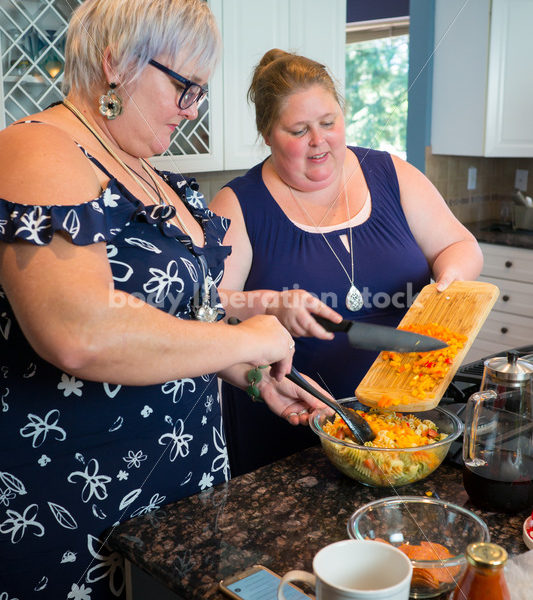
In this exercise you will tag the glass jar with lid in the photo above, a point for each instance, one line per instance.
(484, 577)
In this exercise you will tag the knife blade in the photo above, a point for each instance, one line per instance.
(370, 336)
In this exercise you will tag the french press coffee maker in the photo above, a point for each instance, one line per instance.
(498, 437)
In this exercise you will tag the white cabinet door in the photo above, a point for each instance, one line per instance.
(510, 323)
(460, 76)
(248, 31)
(208, 155)
(515, 297)
(311, 26)
(509, 117)
(482, 78)
(506, 331)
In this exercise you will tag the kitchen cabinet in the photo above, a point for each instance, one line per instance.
(32, 42)
(224, 137)
(482, 84)
(510, 323)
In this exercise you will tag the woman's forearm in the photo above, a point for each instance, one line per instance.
(132, 344)
(66, 304)
(462, 260)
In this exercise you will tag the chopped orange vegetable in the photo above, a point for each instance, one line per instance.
(427, 368)
(429, 551)
(393, 430)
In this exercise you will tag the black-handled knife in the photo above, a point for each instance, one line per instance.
(369, 336)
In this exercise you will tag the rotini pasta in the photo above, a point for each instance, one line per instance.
(409, 435)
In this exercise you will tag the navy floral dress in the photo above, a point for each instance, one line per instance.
(76, 456)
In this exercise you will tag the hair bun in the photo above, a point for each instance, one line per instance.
(271, 56)
(278, 75)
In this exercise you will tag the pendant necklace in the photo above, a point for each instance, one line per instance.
(354, 299)
(204, 312)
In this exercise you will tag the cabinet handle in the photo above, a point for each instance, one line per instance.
(504, 330)
(508, 263)
(505, 298)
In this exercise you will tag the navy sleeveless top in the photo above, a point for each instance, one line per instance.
(389, 266)
(389, 269)
(78, 456)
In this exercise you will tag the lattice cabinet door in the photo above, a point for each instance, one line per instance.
(32, 45)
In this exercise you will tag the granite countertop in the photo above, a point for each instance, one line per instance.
(502, 234)
(278, 516)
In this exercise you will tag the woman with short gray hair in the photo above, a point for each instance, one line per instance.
(111, 336)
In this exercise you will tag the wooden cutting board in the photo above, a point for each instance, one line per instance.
(462, 308)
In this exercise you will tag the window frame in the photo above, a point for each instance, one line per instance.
(361, 31)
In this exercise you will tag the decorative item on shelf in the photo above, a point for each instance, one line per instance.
(53, 66)
(33, 44)
(21, 67)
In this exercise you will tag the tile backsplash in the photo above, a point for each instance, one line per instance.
(491, 199)
(449, 174)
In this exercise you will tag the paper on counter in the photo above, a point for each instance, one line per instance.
(519, 576)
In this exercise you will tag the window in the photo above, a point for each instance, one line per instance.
(377, 61)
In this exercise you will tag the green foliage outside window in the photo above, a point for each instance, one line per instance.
(376, 93)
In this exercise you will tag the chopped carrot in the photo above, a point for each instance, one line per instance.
(392, 429)
(429, 551)
(427, 368)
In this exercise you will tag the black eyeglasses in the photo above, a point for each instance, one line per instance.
(192, 92)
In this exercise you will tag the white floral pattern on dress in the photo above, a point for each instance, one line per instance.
(221, 462)
(95, 485)
(110, 566)
(16, 523)
(155, 501)
(74, 433)
(79, 592)
(206, 481)
(134, 459)
(178, 387)
(163, 281)
(39, 428)
(179, 441)
(110, 199)
(33, 222)
(70, 385)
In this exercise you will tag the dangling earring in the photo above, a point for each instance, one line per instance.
(111, 103)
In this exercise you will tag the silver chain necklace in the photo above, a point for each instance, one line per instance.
(205, 311)
(354, 299)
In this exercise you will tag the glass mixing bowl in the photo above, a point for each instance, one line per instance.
(387, 467)
(426, 525)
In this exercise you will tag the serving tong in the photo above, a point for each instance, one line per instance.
(359, 428)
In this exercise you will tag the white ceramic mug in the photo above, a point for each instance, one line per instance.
(356, 570)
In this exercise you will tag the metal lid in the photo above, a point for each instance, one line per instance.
(509, 368)
(486, 555)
